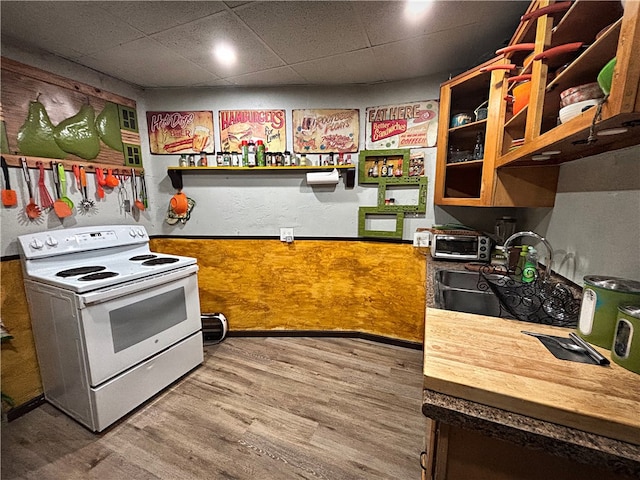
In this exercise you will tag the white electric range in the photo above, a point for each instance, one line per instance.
(113, 322)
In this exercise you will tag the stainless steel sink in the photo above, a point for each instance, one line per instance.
(464, 291)
(458, 279)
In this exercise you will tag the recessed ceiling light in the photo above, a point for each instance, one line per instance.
(551, 152)
(225, 54)
(414, 10)
(612, 131)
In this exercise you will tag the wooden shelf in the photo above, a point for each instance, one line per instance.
(32, 162)
(253, 169)
(175, 173)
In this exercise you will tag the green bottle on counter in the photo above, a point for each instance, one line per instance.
(521, 261)
(529, 270)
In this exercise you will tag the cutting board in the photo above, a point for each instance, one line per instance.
(489, 361)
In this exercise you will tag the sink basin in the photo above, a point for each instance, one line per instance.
(464, 291)
(459, 279)
(470, 301)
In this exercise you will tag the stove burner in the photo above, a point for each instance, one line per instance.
(73, 272)
(160, 261)
(97, 276)
(139, 258)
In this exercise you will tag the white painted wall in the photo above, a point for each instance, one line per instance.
(259, 203)
(594, 227)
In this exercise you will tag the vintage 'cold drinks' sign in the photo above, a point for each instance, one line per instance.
(180, 132)
(405, 125)
(237, 126)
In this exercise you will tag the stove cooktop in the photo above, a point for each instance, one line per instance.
(90, 258)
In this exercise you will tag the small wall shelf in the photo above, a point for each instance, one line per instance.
(175, 173)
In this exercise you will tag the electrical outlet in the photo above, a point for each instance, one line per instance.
(421, 239)
(286, 235)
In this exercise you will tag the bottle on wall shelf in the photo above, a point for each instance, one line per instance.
(183, 161)
(260, 154)
(399, 168)
(252, 154)
(235, 161)
(203, 159)
(245, 153)
(374, 172)
(383, 169)
(529, 271)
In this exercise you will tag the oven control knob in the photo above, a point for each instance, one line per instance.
(36, 244)
(52, 242)
(140, 232)
(132, 233)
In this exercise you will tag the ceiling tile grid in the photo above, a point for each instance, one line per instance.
(157, 44)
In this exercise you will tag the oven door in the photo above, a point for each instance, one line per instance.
(135, 322)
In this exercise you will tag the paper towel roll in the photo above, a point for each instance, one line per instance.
(323, 178)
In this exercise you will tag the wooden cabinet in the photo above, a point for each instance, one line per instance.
(455, 453)
(523, 151)
(463, 178)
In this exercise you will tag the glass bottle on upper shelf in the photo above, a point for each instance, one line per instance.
(478, 149)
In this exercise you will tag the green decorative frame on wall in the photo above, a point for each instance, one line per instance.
(366, 159)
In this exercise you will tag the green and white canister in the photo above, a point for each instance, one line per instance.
(601, 297)
(625, 350)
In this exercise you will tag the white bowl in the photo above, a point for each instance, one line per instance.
(575, 109)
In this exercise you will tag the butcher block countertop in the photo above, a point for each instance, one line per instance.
(488, 362)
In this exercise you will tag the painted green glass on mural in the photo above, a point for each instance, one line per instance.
(108, 126)
(35, 136)
(78, 134)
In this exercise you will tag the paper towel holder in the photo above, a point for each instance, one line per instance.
(323, 178)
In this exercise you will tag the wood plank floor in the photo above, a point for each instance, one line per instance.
(259, 408)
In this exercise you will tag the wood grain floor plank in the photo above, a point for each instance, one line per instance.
(275, 408)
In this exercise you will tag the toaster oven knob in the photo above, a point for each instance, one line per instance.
(140, 232)
(36, 244)
(132, 233)
(52, 242)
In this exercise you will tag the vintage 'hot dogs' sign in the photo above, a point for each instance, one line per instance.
(326, 130)
(253, 125)
(406, 125)
(180, 132)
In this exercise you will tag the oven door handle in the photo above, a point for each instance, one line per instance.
(119, 291)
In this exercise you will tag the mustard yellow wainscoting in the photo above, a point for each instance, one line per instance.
(370, 287)
(20, 373)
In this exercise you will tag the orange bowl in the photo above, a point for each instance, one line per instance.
(179, 203)
(521, 94)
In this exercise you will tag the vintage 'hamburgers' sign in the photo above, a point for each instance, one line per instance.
(253, 125)
(406, 125)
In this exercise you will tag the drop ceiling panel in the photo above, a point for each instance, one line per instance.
(352, 67)
(300, 31)
(150, 18)
(68, 29)
(196, 40)
(144, 62)
(271, 77)
(387, 22)
(169, 43)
